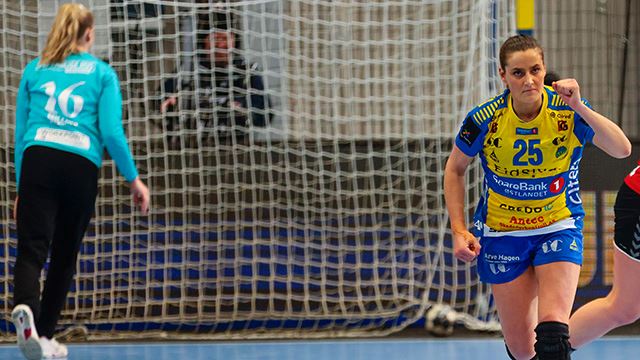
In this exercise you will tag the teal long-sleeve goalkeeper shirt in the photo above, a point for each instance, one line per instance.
(73, 106)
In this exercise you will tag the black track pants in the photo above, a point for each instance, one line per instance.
(56, 201)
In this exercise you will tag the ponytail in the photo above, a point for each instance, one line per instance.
(70, 25)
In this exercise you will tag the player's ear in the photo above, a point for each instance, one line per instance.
(502, 76)
(88, 36)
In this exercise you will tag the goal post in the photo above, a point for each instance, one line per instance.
(327, 221)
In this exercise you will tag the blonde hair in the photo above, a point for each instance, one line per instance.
(70, 25)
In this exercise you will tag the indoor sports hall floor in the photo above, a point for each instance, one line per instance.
(609, 348)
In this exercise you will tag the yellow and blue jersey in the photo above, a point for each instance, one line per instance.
(530, 168)
(73, 106)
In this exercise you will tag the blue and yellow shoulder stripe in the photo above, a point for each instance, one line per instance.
(483, 112)
(556, 103)
(477, 122)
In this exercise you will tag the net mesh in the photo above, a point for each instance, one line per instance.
(327, 221)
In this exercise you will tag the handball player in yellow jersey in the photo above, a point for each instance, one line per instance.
(528, 222)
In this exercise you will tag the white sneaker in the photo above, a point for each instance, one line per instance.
(52, 349)
(27, 335)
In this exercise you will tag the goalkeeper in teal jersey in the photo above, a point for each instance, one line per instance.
(529, 218)
(68, 111)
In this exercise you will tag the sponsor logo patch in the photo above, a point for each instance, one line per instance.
(469, 132)
(563, 125)
(574, 245)
(552, 246)
(561, 153)
(532, 131)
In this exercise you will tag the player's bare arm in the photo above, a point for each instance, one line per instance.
(465, 245)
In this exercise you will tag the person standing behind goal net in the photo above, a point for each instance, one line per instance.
(68, 110)
(529, 218)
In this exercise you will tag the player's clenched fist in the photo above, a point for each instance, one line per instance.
(569, 91)
(465, 246)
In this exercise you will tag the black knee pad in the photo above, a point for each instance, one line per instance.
(552, 341)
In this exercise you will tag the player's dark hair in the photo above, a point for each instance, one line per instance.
(518, 43)
(550, 78)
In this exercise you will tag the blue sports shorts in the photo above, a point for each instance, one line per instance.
(504, 258)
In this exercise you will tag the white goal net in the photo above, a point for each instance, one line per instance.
(297, 191)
